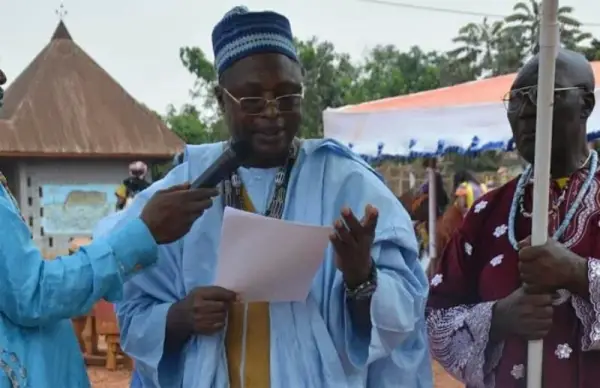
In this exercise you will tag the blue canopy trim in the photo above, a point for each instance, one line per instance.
(442, 149)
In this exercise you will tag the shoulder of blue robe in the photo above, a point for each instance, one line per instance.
(336, 148)
(397, 347)
(147, 298)
(39, 292)
(353, 182)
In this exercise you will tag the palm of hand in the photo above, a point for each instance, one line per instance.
(352, 241)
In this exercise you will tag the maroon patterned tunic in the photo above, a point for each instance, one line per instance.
(479, 266)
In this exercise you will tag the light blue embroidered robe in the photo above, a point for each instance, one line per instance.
(38, 347)
(313, 344)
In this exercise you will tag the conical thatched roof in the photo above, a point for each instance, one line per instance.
(65, 104)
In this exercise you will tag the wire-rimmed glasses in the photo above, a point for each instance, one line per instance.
(514, 99)
(287, 103)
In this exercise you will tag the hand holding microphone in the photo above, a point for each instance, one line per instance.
(170, 213)
(229, 161)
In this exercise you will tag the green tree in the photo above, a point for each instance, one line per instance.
(388, 72)
(478, 46)
(592, 52)
(487, 49)
(510, 50)
(196, 62)
(198, 122)
(329, 78)
(188, 125)
(451, 71)
(525, 21)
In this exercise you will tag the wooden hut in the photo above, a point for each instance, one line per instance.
(69, 132)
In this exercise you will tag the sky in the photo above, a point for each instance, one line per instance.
(138, 41)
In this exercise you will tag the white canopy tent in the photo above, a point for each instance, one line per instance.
(464, 118)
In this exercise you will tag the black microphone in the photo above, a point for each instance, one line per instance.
(230, 160)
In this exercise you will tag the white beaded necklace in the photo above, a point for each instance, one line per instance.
(520, 191)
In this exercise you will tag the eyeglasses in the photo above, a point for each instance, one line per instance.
(287, 103)
(514, 99)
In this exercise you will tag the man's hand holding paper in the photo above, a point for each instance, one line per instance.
(263, 272)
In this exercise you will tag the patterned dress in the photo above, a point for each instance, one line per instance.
(480, 266)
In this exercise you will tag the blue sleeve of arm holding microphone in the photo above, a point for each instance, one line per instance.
(36, 291)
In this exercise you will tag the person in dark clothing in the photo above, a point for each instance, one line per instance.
(133, 185)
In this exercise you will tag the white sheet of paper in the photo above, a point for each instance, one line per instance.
(269, 260)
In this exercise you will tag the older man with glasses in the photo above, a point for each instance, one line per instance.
(363, 322)
(492, 291)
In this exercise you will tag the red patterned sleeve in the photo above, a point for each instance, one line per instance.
(458, 323)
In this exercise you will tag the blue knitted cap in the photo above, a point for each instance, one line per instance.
(242, 33)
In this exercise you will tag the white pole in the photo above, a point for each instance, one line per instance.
(432, 212)
(549, 41)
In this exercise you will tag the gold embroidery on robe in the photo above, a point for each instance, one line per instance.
(258, 338)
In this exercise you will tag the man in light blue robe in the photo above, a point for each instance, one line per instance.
(362, 324)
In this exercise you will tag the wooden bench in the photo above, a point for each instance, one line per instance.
(107, 326)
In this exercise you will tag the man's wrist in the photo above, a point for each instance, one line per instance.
(578, 277)
(363, 287)
(496, 325)
(178, 327)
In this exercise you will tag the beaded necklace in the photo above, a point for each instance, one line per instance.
(555, 205)
(233, 186)
(520, 192)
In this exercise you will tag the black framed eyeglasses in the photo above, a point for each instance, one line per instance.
(514, 99)
(287, 103)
